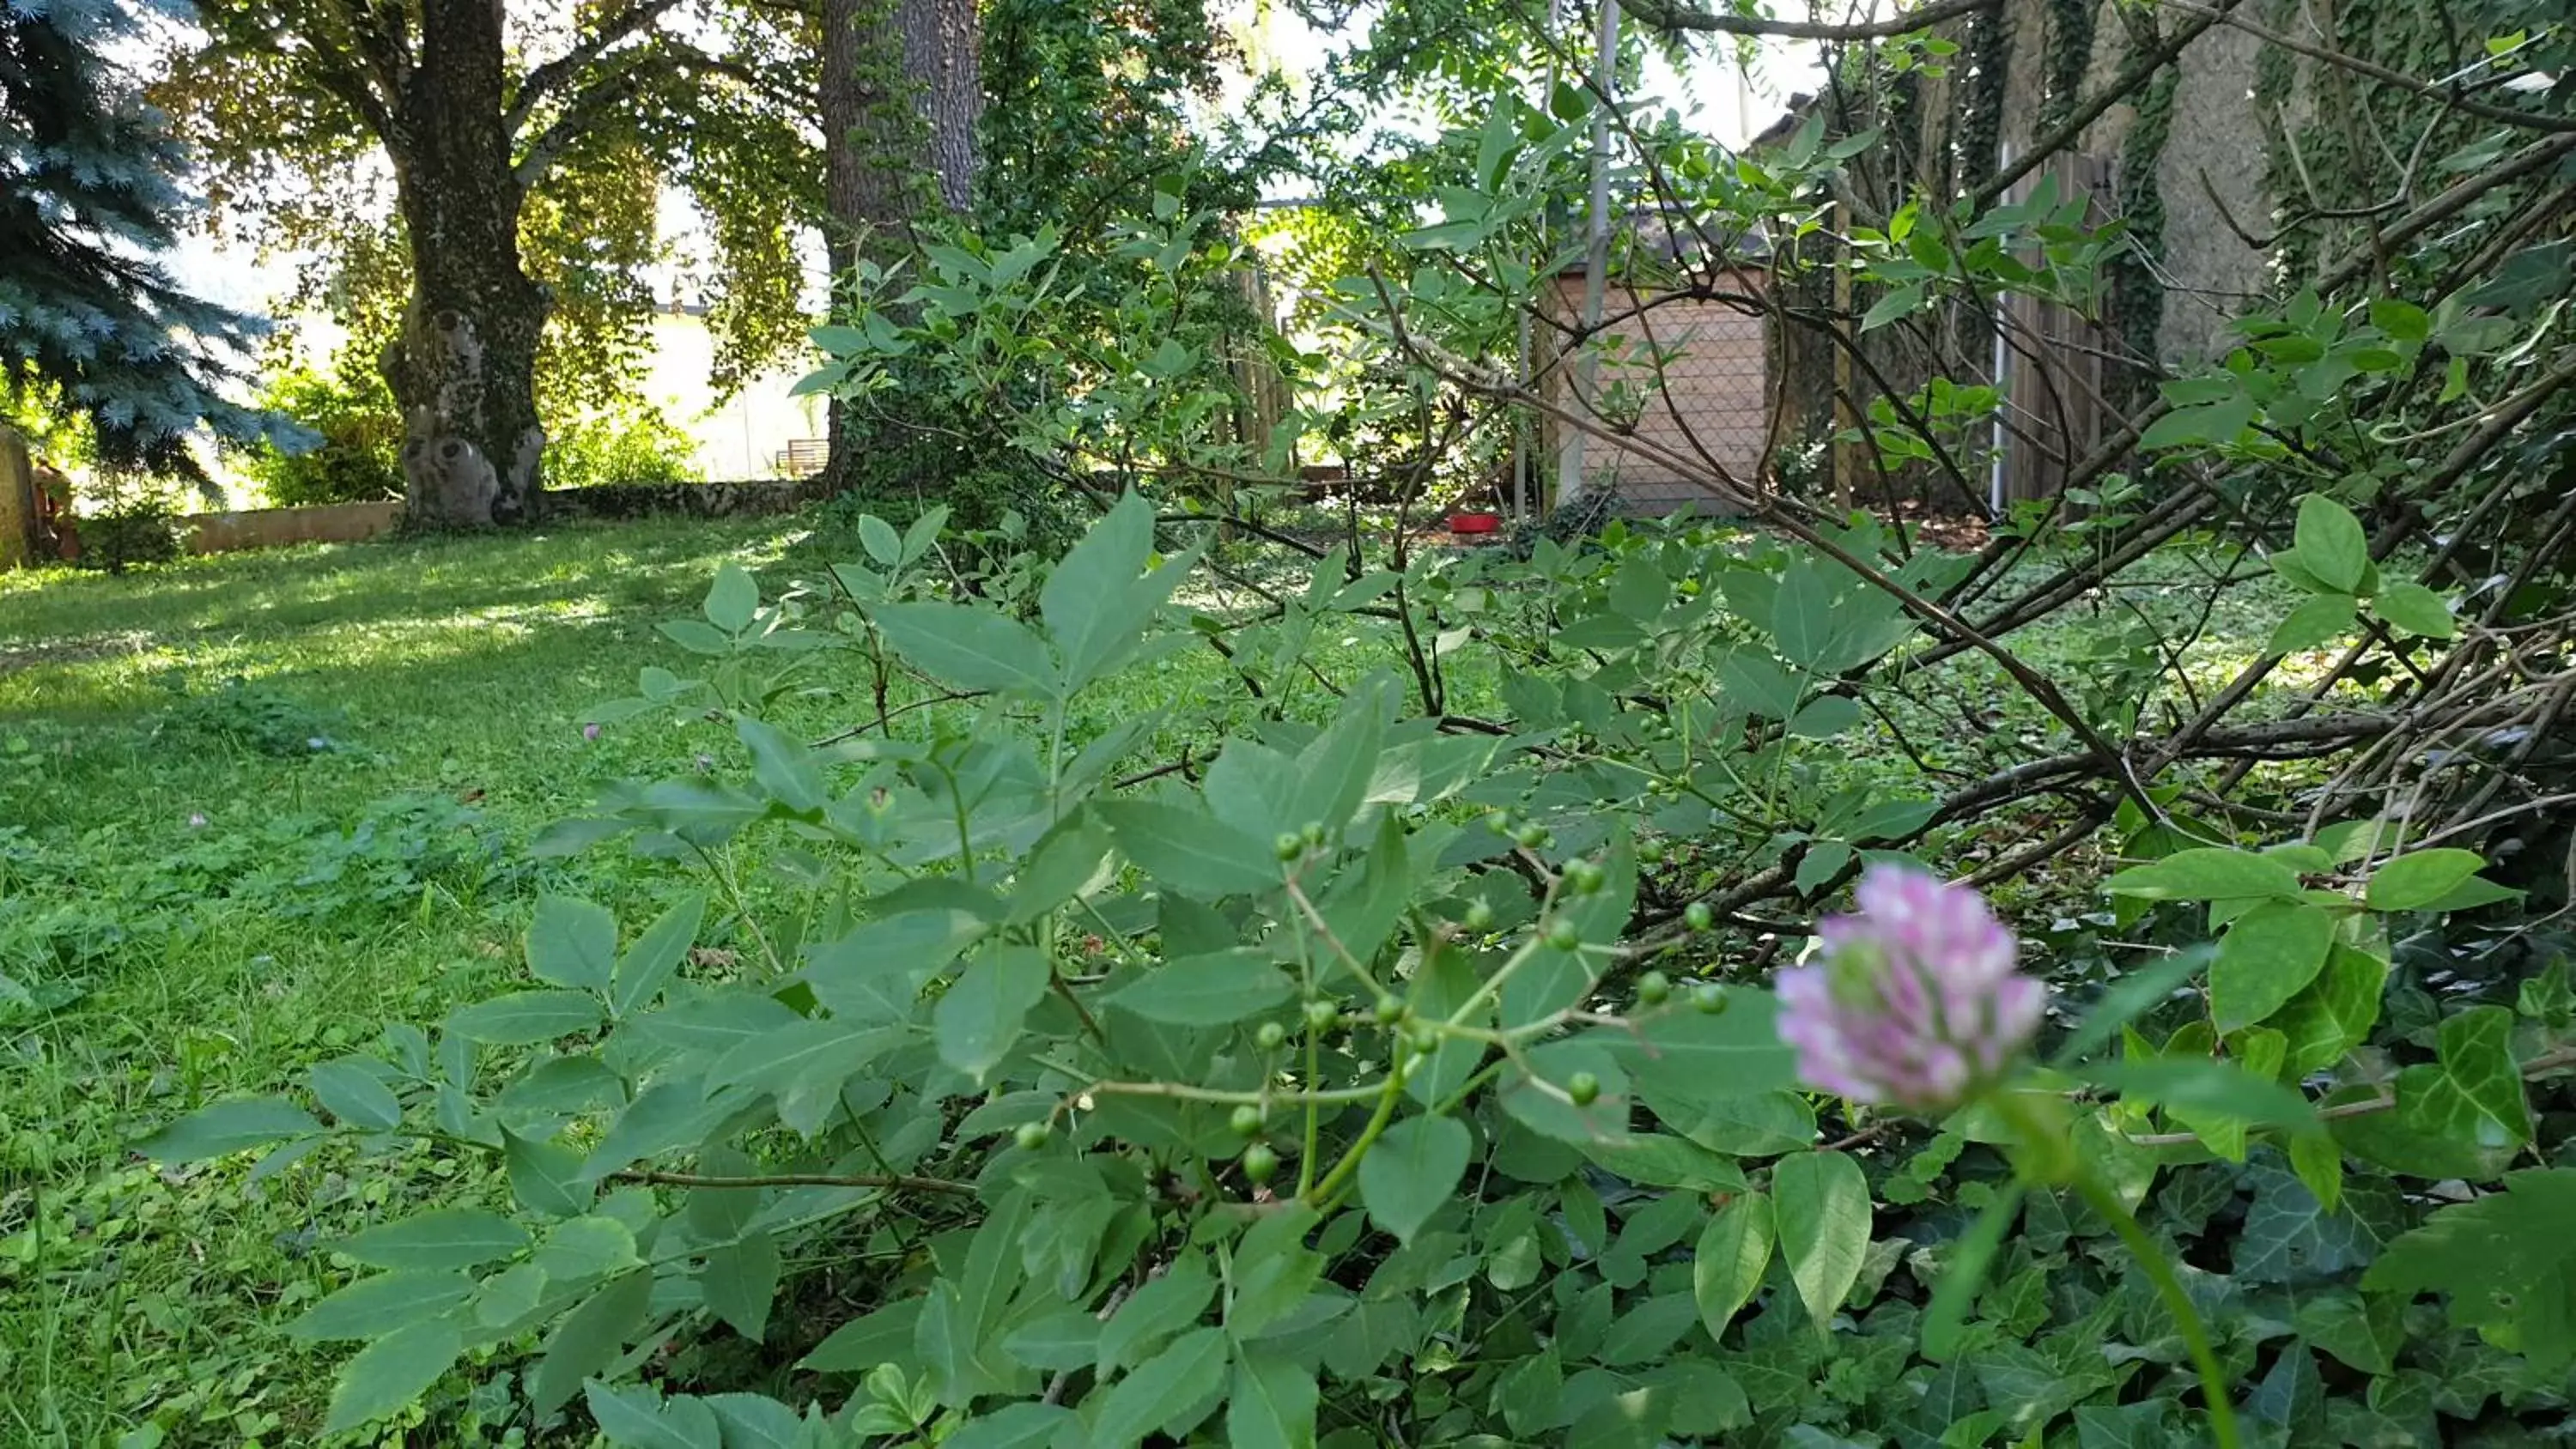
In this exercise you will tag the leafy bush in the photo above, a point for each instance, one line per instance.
(124, 522)
(250, 715)
(632, 446)
(359, 455)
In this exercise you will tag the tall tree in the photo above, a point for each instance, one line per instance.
(449, 97)
(89, 200)
(901, 93)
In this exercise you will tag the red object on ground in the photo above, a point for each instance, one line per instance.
(1465, 521)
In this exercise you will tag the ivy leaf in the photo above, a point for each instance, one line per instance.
(1214, 989)
(1822, 1214)
(2506, 1263)
(1412, 1170)
(572, 943)
(2334, 1013)
(1189, 1373)
(2473, 1094)
(1734, 1251)
(2419, 878)
(392, 1372)
(228, 1127)
(2268, 955)
(2331, 543)
(980, 1016)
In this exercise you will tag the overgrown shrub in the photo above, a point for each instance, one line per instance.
(630, 446)
(125, 522)
(359, 455)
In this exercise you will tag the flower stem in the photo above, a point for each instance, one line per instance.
(2159, 1271)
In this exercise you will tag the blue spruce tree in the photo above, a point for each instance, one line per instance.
(90, 196)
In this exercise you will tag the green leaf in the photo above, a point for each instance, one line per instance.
(1155, 1312)
(1091, 601)
(1734, 1251)
(509, 1295)
(1657, 1159)
(2474, 1094)
(1802, 616)
(2132, 995)
(585, 1247)
(1210, 990)
(2324, 1023)
(589, 1339)
(2415, 609)
(648, 964)
(350, 1090)
(1946, 1316)
(2314, 624)
(970, 648)
(1191, 852)
(375, 1306)
(632, 1419)
(783, 765)
(2268, 955)
(572, 943)
(1822, 1215)
(2506, 1264)
(1699, 1055)
(546, 1177)
(878, 537)
(1028, 1424)
(981, 1014)
(391, 1372)
(1412, 1170)
(228, 1127)
(1189, 1373)
(1762, 1124)
(2204, 1085)
(740, 1282)
(732, 599)
(1272, 1405)
(438, 1239)
(1540, 1099)
(2418, 879)
(2331, 542)
(525, 1018)
(1899, 302)
(2208, 873)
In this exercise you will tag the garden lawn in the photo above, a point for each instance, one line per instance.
(204, 889)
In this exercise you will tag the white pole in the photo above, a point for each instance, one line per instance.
(1522, 426)
(1596, 263)
(2003, 393)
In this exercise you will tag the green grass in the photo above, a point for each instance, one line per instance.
(170, 964)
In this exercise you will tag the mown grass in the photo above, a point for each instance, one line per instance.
(407, 716)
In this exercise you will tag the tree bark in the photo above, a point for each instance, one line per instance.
(463, 368)
(902, 89)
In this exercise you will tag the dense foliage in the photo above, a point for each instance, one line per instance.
(1375, 1040)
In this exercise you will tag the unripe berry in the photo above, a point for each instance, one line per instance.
(1584, 1088)
(1313, 834)
(1562, 935)
(1583, 877)
(1389, 1010)
(1530, 836)
(1423, 1036)
(1031, 1136)
(1480, 916)
(1260, 1163)
(1270, 1037)
(1289, 846)
(1698, 916)
(1321, 1014)
(1246, 1121)
(1654, 988)
(1710, 998)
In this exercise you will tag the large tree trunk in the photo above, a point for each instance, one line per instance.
(463, 367)
(902, 89)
